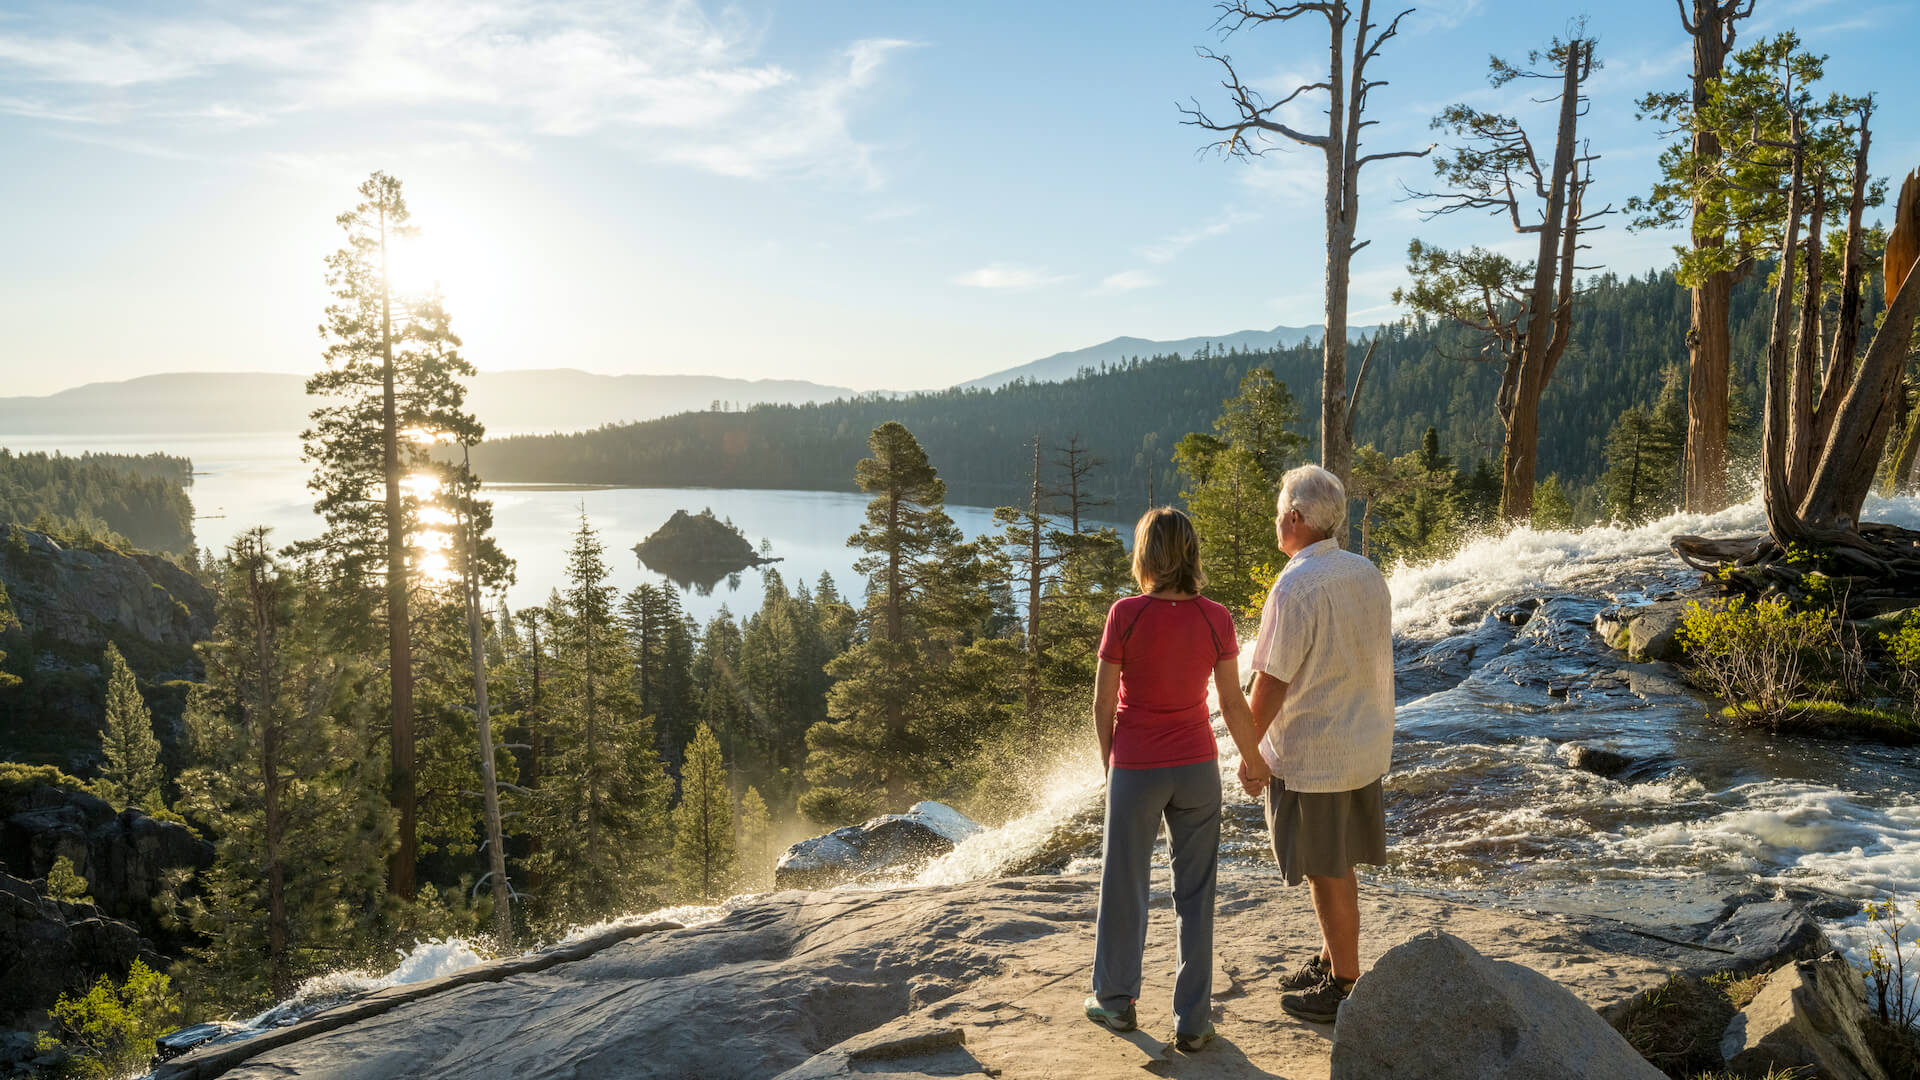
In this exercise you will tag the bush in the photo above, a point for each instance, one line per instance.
(1756, 658)
(1903, 646)
(109, 1030)
(65, 884)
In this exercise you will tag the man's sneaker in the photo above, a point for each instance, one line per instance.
(1116, 1019)
(1187, 1044)
(1320, 1004)
(1311, 974)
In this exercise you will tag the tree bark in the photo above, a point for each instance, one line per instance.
(1710, 342)
(1847, 468)
(1549, 308)
(1801, 446)
(1846, 334)
(1777, 498)
(483, 726)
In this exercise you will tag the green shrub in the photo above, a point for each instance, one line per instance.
(65, 884)
(17, 778)
(109, 1030)
(1903, 646)
(1756, 657)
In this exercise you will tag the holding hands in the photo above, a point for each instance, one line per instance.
(1254, 775)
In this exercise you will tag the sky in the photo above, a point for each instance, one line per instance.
(892, 195)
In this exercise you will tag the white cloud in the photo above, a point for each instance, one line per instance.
(1127, 281)
(1008, 276)
(693, 83)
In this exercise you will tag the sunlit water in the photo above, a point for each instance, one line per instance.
(1481, 803)
(241, 481)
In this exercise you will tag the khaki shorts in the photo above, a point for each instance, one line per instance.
(1326, 833)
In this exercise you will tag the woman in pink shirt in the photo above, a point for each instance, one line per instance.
(1156, 738)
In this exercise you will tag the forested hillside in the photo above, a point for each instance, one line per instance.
(138, 500)
(1627, 332)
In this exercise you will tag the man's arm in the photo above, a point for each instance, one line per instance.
(1269, 694)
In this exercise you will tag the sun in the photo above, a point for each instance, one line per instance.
(450, 253)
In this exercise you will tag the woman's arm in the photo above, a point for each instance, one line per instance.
(1239, 717)
(1106, 701)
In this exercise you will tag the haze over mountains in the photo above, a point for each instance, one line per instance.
(552, 399)
(508, 402)
(1065, 365)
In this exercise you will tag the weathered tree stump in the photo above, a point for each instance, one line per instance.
(1877, 573)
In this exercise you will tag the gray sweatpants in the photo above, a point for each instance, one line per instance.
(1188, 798)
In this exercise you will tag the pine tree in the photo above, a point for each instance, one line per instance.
(753, 866)
(600, 814)
(1552, 509)
(1233, 511)
(281, 747)
(392, 372)
(703, 847)
(1259, 420)
(1626, 487)
(130, 774)
(1032, 550)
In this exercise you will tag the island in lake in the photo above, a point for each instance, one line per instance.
(699, 550)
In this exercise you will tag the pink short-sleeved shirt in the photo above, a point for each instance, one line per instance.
(1166, 651)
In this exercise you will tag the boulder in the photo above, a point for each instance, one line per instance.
(1762, 936)
(1596, 760)
(1435, 1009)
(894, 842)
(49, 947)
(1650, 631)
(1810, 1016)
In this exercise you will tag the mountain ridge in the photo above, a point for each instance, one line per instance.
(1065, 365)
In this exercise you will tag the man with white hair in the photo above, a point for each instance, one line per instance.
(1323, 704)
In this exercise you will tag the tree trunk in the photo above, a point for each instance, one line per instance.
(1035, 570)
(1801, 446)
(1336, 456)
(1710, 342)
(896, 710)
(1847, 468)
(400, 872)
(1549, 308)
(1846, 335)
(483, 725)
(1782, 521)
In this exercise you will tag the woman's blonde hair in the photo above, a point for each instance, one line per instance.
(1166, 552)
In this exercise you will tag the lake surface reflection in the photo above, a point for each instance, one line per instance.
(245, 480)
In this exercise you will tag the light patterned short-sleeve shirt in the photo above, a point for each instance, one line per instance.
(1327, 632)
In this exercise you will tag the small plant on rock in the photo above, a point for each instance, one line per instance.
(65, 884)
(1887, 968)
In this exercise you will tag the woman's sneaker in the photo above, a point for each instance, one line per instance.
(1320, 1004)
(1115, 1019)
(1311, 974)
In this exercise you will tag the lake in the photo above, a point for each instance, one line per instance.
(245, 480)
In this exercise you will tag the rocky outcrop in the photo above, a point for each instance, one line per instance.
(66, 604)
(85, 598)
(978, 979)
(1810, 1019)
(125, 857)
(48, 947)
(890, 842)
(1435, 1009)
(1597, 760)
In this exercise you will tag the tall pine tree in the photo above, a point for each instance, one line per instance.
(391, 383)
(130, 774)
(600, 813)
(703, 822)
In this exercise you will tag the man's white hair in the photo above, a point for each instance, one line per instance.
(1319, 496)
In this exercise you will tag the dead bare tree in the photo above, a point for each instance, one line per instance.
(1524, 310)
(1248, 134)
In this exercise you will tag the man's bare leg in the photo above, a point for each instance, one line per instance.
(1336, 903)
